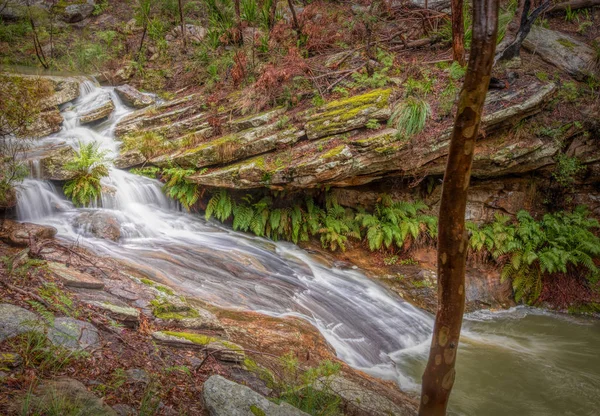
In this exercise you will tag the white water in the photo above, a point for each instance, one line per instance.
(370, 328)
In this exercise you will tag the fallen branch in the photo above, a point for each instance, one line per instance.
(573, 5)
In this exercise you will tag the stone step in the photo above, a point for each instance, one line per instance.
(73, 278)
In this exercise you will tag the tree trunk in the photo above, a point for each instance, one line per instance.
(517, 30)
(39, 52)
(458, 32)
(439, 374)
(238, 23)
(294, 18)
(272, 12)
(182, 26)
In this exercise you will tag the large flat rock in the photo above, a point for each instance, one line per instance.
(226, 398)
(74, 278)
(563, 51)
(134, 98)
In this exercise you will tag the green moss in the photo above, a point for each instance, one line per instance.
(195, 338)
(164, 289)
(176, 316)
(147, 282)
(360, 100)
(566, 43)
(333, 152)
(257, 411)
(232, 346)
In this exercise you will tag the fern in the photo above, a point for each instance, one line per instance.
(89, 166)
(179, 188)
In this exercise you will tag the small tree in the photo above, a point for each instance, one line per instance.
(439, 374)
(458, 32)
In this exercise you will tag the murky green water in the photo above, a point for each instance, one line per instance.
(523, 362)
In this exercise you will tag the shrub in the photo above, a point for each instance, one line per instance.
(89, 166)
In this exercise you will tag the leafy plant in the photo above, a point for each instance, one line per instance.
(179, 188)
(373, 124)
(393, 223)
(566, 170)
(88, 166)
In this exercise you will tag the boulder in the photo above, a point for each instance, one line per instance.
(133, 98)
(348, 114)
(71, 277)
(15, 320)
(19, 233)
(226, 398)
(226, 351)
(74, 13)
(193, 33)
(125, 314)
(73, 334)
(66, 89)
(53, 162)
(100, 224)
(70, 393)
(97, 108)
(17, 9)
(563, 51)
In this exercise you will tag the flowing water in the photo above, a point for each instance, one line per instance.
(519, 362)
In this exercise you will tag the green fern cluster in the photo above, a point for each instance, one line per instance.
(333, 225)
(393, 223)
(530, 250)
(89, 166)
(179, 188)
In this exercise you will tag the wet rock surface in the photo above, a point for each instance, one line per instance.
(99, 224)
(20, 233)
(99, 108)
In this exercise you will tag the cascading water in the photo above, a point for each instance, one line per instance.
(369, 328)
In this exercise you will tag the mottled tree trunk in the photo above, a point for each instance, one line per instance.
(439, 374)
(458, 32)
(295, 24)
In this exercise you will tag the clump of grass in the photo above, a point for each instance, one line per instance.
(410, 117)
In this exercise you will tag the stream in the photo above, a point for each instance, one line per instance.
(516, 362)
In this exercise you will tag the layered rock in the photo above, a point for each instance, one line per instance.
(362, 157)
(53, 164)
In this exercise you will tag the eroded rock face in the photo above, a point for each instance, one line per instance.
(19, 233)
(133, 98)
(226, 398)
(129, 159)
(362, 157)
(566, 53)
